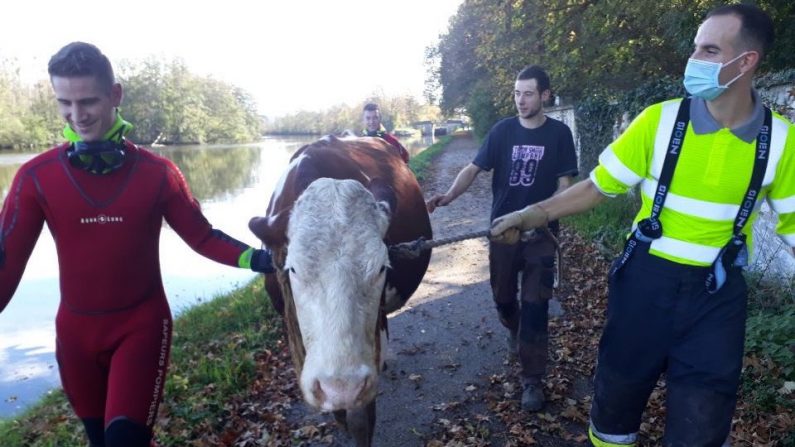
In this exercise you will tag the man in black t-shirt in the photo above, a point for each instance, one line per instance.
(533, 158)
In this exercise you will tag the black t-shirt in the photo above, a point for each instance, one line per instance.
(527, 162)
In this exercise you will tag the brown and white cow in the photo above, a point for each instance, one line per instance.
(331, 218)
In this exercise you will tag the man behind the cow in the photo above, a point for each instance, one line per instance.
(371, 115)
(533, 158)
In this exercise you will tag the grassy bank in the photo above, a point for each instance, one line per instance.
(214, 360)
(422, 161)
(769, 364)
(608, 224)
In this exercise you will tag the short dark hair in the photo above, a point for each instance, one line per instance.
(756, 27)
(371, 107)
(82, 59)
(537, 73)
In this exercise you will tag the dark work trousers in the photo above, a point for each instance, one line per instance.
(529, 268)
(660, 319)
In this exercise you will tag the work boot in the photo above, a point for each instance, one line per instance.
(532, 397)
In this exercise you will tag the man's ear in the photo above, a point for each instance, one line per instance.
(545, 95)
(750, 61)
(116, 94)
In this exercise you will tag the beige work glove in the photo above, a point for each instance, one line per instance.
(507, 229)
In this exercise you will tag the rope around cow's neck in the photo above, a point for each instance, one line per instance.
(413, 249)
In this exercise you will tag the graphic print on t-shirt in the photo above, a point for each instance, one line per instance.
(524, 163)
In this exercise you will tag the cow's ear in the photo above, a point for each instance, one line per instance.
(383, 192)
(271, 230)
(384, 216)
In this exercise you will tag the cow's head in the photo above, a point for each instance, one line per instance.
(336, 267)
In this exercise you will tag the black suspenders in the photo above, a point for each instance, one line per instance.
(650, 228)
(735, 252)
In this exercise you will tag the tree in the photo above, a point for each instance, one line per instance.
(144, 100)
(163, 100)
(396, 111)
(605, 47)
(169, 104)
(28, 116)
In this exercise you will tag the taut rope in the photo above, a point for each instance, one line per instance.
(413, 249)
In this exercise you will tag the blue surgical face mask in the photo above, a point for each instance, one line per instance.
(701, 78)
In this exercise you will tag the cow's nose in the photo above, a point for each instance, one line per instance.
(334, 393)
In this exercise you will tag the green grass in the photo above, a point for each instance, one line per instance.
(770, 332)
(213, 356)
(608, 224)
(212, 361)
(49, 423)
(421, 162)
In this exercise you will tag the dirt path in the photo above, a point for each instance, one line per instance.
(449, 375)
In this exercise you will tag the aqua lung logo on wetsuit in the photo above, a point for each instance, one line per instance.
(161, 372)
(101, 219)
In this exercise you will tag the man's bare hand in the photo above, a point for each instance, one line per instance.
(437, 201)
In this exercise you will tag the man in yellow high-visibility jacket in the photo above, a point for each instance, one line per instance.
(677, 297)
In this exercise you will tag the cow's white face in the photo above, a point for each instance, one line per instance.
(337, 262)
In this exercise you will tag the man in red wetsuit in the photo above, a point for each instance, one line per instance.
(371, 116)
(104, 200)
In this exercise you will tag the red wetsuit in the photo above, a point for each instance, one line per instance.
(113, 326)
(404, 154)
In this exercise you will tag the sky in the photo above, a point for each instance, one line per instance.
(289, 54)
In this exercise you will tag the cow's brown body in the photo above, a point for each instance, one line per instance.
(373, 163)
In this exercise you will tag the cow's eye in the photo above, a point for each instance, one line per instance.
(383, 269)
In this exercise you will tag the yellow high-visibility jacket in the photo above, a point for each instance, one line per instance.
(709, 183)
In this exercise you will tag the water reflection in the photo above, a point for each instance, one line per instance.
(9, 165)
(416, 144)
(214, 173)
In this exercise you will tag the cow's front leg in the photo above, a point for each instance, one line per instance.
(339, 416)
(361, 424)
